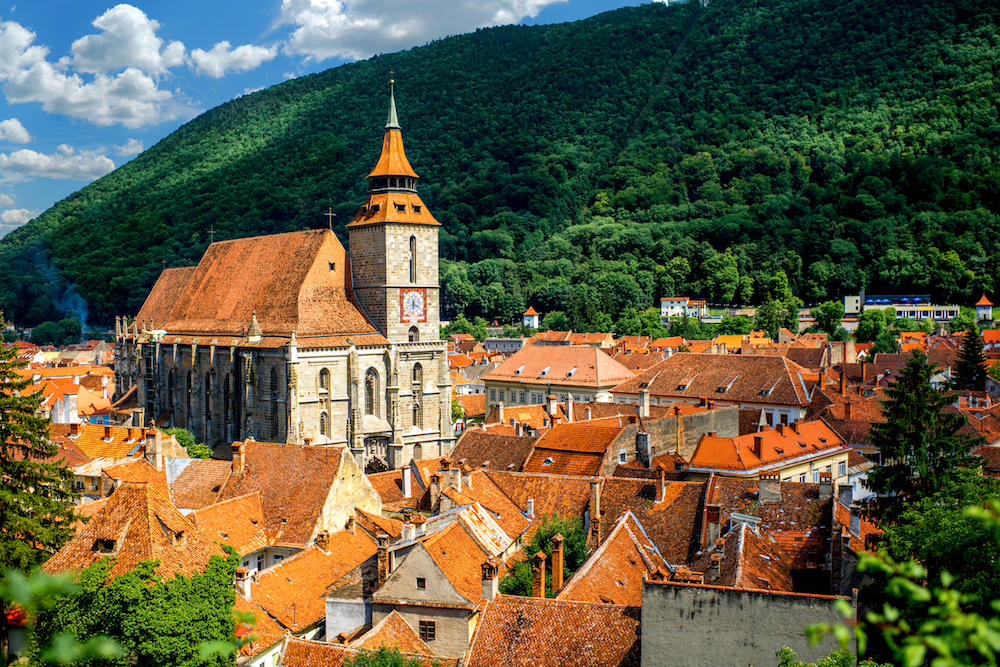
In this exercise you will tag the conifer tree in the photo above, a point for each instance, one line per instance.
(919, 443)
(35, 490)
(970, 370)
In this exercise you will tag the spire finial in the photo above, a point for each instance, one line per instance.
(393, 122)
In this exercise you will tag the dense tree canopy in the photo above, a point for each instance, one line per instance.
(743, 152)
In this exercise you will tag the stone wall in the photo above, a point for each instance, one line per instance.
(711, 625)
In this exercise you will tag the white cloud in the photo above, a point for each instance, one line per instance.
(132, 147)
(6, 200)
(130, 98)
(11, 130)
(128, 39)
(361, 28)
(17, 216)
(250, 91)
(223, 58)
(64, 164)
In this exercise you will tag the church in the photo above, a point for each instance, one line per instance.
(290, 338)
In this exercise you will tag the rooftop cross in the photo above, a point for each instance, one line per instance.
(330, 215)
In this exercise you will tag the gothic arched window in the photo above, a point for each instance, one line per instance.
(273, 425)
(417, 382)
(371, 392)
(413, 259)
(414, 335)
(324, 380)
(324, 424)
(170, 389)
(187, 399)
(208, 407)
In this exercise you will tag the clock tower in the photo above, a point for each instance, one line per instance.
(393, 241)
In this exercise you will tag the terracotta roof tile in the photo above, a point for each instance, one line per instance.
(778, 445)
(163, 297)
(536, 632)
(505, 511)
(267, 633)
(750, 561)
(867, 529)
(551, 494)
(613, 573)
(535, 416)
(91, 441)
(200, 483)
(460, 558)
(389, 486)
(139, 470)
(297, 652)
(286, 279)
(376, 523)
(473, 405)
(588, 366)
(484, 450)
(638, 362)
(294, 591)
(294, 482)
(393, 632)
(578, 448)
(730, 377)
(136, 524)
(238, 522)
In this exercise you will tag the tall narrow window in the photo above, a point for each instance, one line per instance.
(417, 385)
(208, 408)
(413, 259)
(227, 420)
(414, 335)
(371, 392)
(187, 400)
(170, 389)
(273, 426)
(324, 424)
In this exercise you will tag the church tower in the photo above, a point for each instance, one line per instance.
(393, 241)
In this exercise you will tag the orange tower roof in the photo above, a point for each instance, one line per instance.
(984, 302)
(392, 183)
(530, 311)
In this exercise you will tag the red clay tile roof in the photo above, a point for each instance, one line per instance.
(136, 524)
(164, 296)
(267, 632)
(534, 416)
(867, 530)
(552, 494)
(139, 470)
(751, 561)
(460, 558)
(484, 450)
(572, 449)
(778, 445)
(393, 632)
(294, 482)
(613, 573)
(286, 279)
(92, 442)
(638, 362)
(389, 486)
(505, 511)
(297, 652)
(729, 377)
(294, 591)
(376, 524)
(238, 522)
(589, 367)
(473, 405)
(199, 484)
(533, 632)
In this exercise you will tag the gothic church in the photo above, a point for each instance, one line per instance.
(288, 338)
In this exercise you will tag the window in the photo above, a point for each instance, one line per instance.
(427, 631)
(324, 424)
(802, 477)
(208, 408)
(333, 266)
(815, 476)
(324, 381)
(246, 563)
(187, 399)
(621, 456)
(170, 389)
(414, 335)
(841, 469)
(413, 259)
(278, 558)
(401, 208)
(371, 393)
(273, 417)
(416, 208)
(521, 397)
(260, 562)
(784, 418)
(493, 394)
(421, 583)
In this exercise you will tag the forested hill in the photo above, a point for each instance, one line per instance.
(722, 152)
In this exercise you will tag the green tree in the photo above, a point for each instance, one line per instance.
(919, 444)
(518, 579)
(628, 324)
(457, 412)
(555, 321)
(184, 437)
(766, 318)
(970, 369)
(871, 325)
(828, 316)
(839, 658)
(156, 621)
(459, 325)
(965, 321)
(36, 495)
(383, 657)
(739, 324)
(886, 342)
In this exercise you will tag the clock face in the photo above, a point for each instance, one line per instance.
(413, 305)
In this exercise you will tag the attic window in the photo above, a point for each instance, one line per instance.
(401, 208)
(571, 372)
(333, 266)
(416, 209)
(766, 391)
(421, 583)
(104, 546)
(726, 384)
(545, 371)
(779, 450)
(374, 208)
(518, 371)
(548, 461)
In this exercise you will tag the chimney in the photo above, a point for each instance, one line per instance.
(557, 563)
(407, 481)
(154, 448)
(74, 429)
(595, 499)
(758, 445)
(531, 507)
(864, 374)
(323, 540)
(466, 475)
(407, 514)
(713, 519)
(490, 580)
(500, 412)
(769, 488)
(107, 432)
(243, 582)
(352, 525)
(538, 575)
(847, 411)
(780, 428)
(420, 523)
(409, 532)
(519, 429)
(588, 414)
(845, 495)
(435, 490)
(238, 461)
(569, 407)
(552, 405)
(843, 379)
(644, 402)
(825, 485)
(382, 558)
(715, 565)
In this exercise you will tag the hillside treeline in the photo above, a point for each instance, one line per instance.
(728, 152)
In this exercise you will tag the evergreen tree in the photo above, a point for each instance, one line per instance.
(920, 445)
(36, 492)
(970, 371)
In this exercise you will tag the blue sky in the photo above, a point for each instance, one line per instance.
(87, 85)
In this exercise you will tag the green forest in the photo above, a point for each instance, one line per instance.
(730, 152)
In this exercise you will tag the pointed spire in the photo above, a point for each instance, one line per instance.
(393, 122)
(255, 333)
